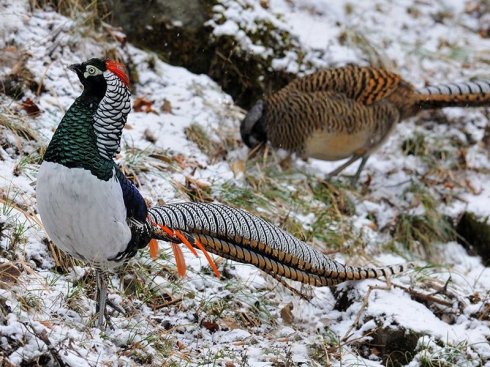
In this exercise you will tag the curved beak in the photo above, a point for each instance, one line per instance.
(77, 68)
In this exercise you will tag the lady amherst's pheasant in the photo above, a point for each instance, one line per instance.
(348, 112)
(93, 212)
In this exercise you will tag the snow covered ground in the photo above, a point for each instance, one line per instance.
(246, 318)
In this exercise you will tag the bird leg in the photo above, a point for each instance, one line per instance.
(339, 169)
(100, 307)
(353, 159)
(355, 178)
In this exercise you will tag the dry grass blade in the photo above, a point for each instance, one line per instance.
(18, 126)
(9, 274)
(9, 203)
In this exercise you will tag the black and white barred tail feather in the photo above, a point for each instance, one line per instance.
(235, 234)
(467, 94)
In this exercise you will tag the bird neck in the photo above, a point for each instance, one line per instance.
(74, 143)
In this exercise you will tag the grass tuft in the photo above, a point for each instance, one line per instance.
(17, 125)
(418, 232)
(290, 197)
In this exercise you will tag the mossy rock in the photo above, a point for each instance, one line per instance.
(178, 33)
(475, 235)
(173, 29)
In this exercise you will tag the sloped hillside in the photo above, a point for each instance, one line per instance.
(181, 143)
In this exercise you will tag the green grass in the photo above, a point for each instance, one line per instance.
(444, 354)
(18, 221)
(284, 196)
(418, 232)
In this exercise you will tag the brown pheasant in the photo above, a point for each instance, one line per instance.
(347, 112)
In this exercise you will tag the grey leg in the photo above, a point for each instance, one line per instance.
(344, 166)
(355, 178)
(100, 307)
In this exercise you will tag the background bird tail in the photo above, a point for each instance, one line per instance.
(466, 94)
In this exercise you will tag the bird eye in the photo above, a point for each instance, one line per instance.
(91, 70)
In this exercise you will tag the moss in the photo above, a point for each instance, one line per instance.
(181, 35)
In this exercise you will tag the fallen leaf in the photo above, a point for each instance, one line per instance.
(287, 314)
(264, 4)
(372, 225)
(166, 106)
(180, 345)
(9, 274)
(238, 167)
(211, 326)
(142, 104)
(30, 107)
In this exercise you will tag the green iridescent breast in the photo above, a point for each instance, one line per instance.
(74, 143)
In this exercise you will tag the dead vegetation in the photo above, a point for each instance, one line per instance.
(317, 211)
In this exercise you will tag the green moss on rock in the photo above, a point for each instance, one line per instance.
(181, 33)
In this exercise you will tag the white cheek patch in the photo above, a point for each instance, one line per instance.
(86, 74)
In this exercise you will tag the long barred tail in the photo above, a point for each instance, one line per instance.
(237, 235)
(469, 94)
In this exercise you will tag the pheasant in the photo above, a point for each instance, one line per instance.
(347, 112)
(93, 212)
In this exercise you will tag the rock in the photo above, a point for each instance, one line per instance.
(179, 33)
(475, 235)
(344, 297)
(395, 345)
(174, 29)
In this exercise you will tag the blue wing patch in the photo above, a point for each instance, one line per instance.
(134, 202)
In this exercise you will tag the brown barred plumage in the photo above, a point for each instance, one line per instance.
(235, 234)
(347, 112)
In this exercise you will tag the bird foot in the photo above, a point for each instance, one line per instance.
(116, 307)
(355, 178)
(103, 315)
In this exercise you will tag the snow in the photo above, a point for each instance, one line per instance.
(423, 41)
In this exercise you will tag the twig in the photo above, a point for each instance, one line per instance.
(419, 296)
(43, 336)
(166, 304)
(363, 307)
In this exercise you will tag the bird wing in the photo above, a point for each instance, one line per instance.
(294, 118)
(366, 85)
(137, 212)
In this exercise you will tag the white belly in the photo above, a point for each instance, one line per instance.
(83, 215)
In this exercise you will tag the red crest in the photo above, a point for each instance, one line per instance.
(117, 69)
